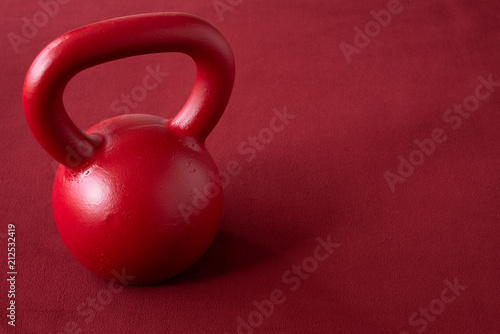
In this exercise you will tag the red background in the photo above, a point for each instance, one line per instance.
(322, 176)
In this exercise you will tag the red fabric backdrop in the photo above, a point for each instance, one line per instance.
(390, 154)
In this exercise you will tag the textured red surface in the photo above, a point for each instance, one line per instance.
(386, 259)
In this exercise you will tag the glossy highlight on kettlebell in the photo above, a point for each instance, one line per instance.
(117, 192)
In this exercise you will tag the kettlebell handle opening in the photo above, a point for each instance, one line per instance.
(119, 38)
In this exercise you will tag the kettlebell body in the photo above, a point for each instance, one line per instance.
(123, 187)
(128, 201)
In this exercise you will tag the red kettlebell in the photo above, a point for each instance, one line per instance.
(121, 186)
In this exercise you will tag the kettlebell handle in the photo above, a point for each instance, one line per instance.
(119, 38)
